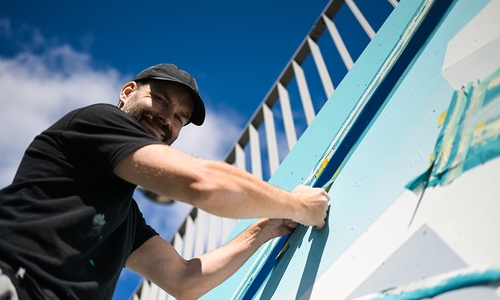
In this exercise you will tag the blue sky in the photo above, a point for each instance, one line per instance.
(59, 55)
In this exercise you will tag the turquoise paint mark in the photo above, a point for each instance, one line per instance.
(440, 284)
(92, 262)
(470, 135)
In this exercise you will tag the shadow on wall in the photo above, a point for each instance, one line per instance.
(318, 239)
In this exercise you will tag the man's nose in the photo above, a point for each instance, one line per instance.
(165, 119)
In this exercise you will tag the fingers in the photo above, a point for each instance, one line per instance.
(325, 194)
(314, 205)
(323, 223)
(320, 226)
(322, 208)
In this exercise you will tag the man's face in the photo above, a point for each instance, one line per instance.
(161, 107)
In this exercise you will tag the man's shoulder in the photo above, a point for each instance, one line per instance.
(99, 114)
(99, 108)
(98, 111)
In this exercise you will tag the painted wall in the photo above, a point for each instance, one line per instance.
(380, 235)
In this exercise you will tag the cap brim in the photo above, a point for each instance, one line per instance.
(198, 116)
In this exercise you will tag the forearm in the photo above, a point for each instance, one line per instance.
(158, 261)
(211, 269)
(216, 187)
(220, 188)
(234, 193)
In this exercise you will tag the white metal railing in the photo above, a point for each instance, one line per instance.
(202, 232)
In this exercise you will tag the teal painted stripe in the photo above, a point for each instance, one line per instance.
(440, 284)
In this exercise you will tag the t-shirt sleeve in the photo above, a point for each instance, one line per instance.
(143, 231)
(105, 135)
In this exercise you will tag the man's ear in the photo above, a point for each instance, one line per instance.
(126, 92)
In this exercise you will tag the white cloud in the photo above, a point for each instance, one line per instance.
(37, 88)
(212, 140)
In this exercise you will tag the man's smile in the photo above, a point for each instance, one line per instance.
(154, 126)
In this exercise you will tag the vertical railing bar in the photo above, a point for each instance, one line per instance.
(305, 96)
(255, 152)
(201, 225)
(394, 3)
(212, 232)
(286, 111)
(153, 292)
(178, 242)
(189, 239)
(240, 157)
(321, 67)
(230, 157)
(272, 143)
(361, 19)
(339, 43)
(161, 295)
(145, 289)
(226, 229)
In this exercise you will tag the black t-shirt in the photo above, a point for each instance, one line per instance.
(66, 218)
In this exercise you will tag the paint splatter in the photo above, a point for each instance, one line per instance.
(470, 135)
(98, 223)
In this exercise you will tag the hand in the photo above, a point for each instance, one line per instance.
(277, 227)
(315, 203)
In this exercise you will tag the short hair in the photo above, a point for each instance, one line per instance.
(142, 82)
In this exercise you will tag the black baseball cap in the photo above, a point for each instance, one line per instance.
(172, 73)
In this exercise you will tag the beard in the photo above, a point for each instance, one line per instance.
(141, 113)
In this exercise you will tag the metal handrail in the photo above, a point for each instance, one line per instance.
(202, 232)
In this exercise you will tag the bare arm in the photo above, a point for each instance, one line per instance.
(158, 261)
(220, 188)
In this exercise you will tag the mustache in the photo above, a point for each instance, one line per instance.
(155, 121)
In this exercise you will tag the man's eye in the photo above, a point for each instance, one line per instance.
(160, 100)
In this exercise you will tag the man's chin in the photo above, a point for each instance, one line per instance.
(169, 142)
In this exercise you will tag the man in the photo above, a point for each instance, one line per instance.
(68, 223)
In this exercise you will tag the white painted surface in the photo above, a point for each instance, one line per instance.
(465, 214)
(474, 53)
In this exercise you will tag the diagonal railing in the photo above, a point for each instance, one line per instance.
(301, 89)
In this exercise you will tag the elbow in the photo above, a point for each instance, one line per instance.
(184, 294)
(206, 193)
(216, 185)
(207, 189)
(192, 285)
(187, 295)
